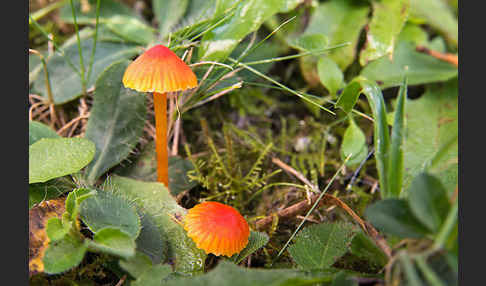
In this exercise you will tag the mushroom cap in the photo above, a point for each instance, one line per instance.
(217, 228)
(159, 70)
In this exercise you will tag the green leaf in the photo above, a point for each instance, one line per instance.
(217, 44)
(228, 273)
(394, 216)
(108, 8)
(330, 75)
(256, 241)
(289, 5)
(143, 166)
(342, 279)
(168, 13)
(381, 134)
(433, 146)
(319, 246)
(437, 15)
(363, 247)
(340, 21)
(55, 230)
(153, 276)
(65, 82)
(136, 265)
(116, 120)
(395, 171)
(39, 130)
(51, 158)
(414, 34)
(422, 68)
(113, 241)
(388, 19)
(131, 29)
(309, 42)
(109, 210)
(354, 142)
(63, 254)
(150, 241)
(428, 201)
(155, 200)
(75, 198)
(349, 96)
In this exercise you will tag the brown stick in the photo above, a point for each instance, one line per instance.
(446, 57)
(292, 171)
(175, 138)
(160, 108)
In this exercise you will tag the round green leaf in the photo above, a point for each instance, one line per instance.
(51, 158)
(106, 209)
(114, 241)
(63, 254)
(330, 74)
(354, 142)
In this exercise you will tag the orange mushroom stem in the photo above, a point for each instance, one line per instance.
(160, 109)
(159, 70)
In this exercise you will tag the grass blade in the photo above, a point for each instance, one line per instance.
(381, 134)
(281, 85)
(395, 173)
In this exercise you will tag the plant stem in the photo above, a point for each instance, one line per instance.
(95, 40)
(160, 108)
(81, 63)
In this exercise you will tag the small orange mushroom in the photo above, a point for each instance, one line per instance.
(159, 70)
(217, 228)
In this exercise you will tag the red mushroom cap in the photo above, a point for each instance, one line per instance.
(217, 228)
(159, 70)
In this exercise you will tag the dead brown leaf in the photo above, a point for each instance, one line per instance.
(38, 239)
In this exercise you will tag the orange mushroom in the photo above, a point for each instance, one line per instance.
(159, 70)
(217, 228)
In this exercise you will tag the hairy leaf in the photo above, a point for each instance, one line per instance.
(256, 241)
(116, 120)
(106, 209)
(155, 200)
(150, 240)
(319, 246)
